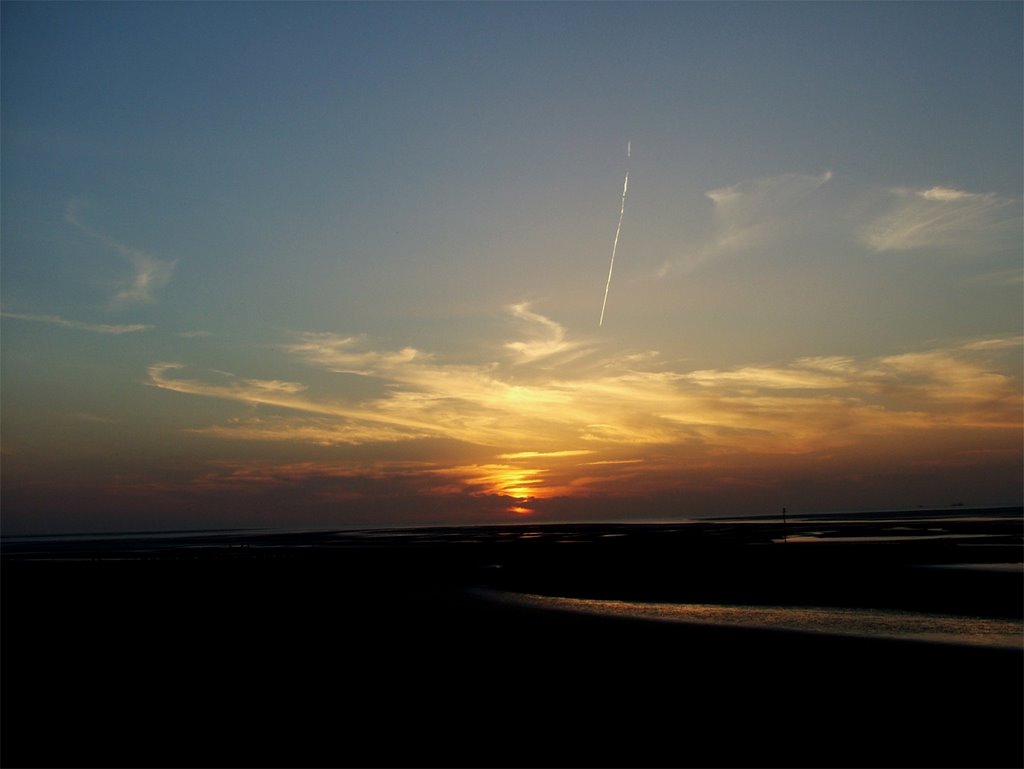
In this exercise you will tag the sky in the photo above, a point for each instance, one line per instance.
(343, 264)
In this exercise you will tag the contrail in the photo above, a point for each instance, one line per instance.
(615, 244)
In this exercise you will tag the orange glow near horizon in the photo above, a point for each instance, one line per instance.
(552, 420)
(501, 480)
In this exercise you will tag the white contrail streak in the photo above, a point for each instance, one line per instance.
(615, 244)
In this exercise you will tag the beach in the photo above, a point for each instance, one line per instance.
(389, 648)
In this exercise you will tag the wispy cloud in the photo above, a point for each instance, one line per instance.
(547, 340)
(519, 483)
(546, 454)
(149, 274)
(255, 392)
(1012, 277)
(275, 386)
(260, 476)
(342, 354)
(752, 203)
(752, 213)
(85, 416)
(943, 218)
(959, 385)
(762, 213)
(538, 424)
(96, 328)
(304, 429)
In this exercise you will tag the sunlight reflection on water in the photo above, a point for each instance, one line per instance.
(939, 628)
(816, 536)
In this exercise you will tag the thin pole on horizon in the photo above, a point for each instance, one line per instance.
(785, 533)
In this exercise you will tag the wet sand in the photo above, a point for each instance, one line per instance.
(371, 649)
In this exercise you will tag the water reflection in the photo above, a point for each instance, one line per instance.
(815, 536)
(939, 628)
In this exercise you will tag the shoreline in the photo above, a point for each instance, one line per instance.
(343, 650)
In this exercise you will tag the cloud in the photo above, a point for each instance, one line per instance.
(943, 218)
(95, 418)
(503, 480)
(324, 479)
(256, 392)
(752, 213)
(341, 355)
(762, 213)
(96, 328)
(275, 386)
(1012, 277)
(149, 274)
(751, 203)
(546, 454)
(549, 424)
(959, 385)
(306, 430)
(548, 338)
(797, 377)
(998, 343)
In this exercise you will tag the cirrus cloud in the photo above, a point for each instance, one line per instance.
(754, 213)
(943, 218)
(149, 273)
(96, 328)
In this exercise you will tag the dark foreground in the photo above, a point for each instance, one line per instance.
(368, 650)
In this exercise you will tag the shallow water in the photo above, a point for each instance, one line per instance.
(825, 537)
(936, 628)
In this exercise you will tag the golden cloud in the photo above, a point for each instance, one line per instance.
(530, 414)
